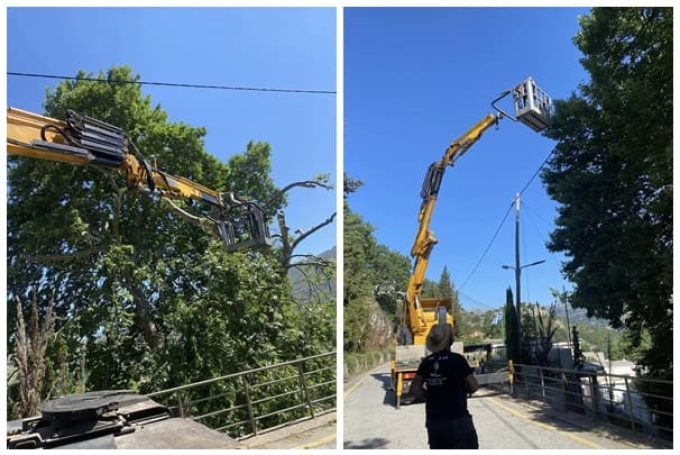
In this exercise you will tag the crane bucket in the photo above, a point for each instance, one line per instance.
(533, 106)
(244, 226)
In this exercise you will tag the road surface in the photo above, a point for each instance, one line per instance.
(372, 422)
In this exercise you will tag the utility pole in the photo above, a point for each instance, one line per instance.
(518, 273)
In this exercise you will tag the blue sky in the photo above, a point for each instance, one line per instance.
(418, 78)
(260, 47)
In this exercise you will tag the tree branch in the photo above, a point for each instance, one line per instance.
(315, 261)
(311, 231)
(59, 258)
(198, 221)
(300, 184)
(118, 203)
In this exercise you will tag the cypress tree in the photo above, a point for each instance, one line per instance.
(511, 335)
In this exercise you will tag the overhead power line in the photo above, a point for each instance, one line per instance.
(487, 247)
(475, 301)
(174, 84)
(533, 213)
(537, 171)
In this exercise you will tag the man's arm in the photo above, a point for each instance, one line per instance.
(417, 387)
(470, 383)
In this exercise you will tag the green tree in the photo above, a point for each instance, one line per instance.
(448, 291)
(359, 245)
(391, 271)
(430, 289)
(511, 333)
(350, 185)
(611, 173)
(579, 358)
(143, 299)
(490, 327)
(373, 273)
(546, 332)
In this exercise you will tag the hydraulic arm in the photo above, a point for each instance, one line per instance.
(532, 107)
(85, 141)
(425, 239)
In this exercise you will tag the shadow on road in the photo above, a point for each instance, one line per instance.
(372, 443)
(572, 422)
(386, 381)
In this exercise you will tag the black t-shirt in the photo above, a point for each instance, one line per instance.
(444, 373)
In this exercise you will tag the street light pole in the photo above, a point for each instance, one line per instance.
(518, 274)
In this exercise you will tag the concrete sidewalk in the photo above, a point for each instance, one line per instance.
(317, 433)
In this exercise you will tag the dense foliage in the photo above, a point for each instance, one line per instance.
(611, 173)
(372, 274)
(143, 299)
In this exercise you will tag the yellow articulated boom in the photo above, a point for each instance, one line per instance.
(85, 141)
(532, 107)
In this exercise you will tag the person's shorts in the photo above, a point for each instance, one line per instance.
(457, 433)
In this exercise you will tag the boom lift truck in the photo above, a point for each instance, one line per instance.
(532, 107)
(121, 419)
(85, 141)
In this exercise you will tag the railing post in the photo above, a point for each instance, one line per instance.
(540, 370)
(180, 405)
(630, 405)
(511, 377)
(249, 405)
(593, 395)
(303, 386)
(564, 382)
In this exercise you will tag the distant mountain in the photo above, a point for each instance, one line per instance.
(308, 282)
(579, 317)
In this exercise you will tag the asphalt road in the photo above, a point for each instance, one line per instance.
(372, 422)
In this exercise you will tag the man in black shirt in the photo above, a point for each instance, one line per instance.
(445, 379)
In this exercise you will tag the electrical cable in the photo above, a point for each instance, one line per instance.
(537, 171)
(474, 269)
(551, 254)
(173, 84)
(473, 300)
(539, 216)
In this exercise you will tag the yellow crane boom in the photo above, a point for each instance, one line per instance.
(425, 239)
(532, 106)
(85, 141)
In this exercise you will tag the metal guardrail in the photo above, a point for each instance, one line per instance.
(250, 402)
(622, 400)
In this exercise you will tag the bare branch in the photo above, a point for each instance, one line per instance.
(311, 260)
(304, 184)
(197, 220)
(311, 231)
(59, 258)
(298, 184)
